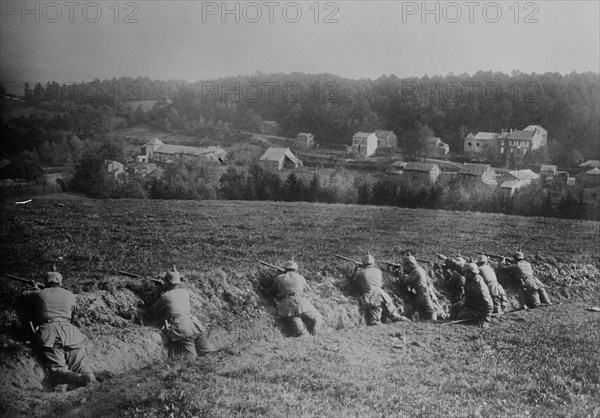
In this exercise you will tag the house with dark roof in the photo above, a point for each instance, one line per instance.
(276, 159)
(590, 163)
(477, 173)
(364, 144)
(589, 179)
(158, 151)
(304, 141)
(480, 141)
(386, 139)
(421, 174)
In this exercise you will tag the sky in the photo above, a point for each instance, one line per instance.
(75, 41)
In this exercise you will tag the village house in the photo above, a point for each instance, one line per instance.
(364, 144)
(276, 159)
(590, 163)
(114, 169)
(507, 142)
(421, 174)
(304, 141)
(589, 179)
(386, 139)
(477, 173)
(435, 148)
(156, 150)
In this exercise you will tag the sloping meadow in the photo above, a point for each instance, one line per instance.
(217, 245)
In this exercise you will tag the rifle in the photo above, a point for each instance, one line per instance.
(32, 283)
(279, 269)
(491, 255)
(137, 276)
(348, 259)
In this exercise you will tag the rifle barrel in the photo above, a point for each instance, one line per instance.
(19, 279)
(347, 259)
(272, 266)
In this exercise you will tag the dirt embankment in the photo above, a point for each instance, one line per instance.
(236, 309)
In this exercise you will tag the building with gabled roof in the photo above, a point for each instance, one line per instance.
(364, 144)
(386, 139)
(590, 163)
(480, 141)
(276, 159)
(304, 141)
(589, 179)
(420, 174)
(508, 142)
(477, 172)
(158, 151)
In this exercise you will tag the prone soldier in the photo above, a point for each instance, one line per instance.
(521, 271)
(374, 300)
(184, 334)
(293, 307)
(60, 341)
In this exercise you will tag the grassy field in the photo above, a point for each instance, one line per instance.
(539, 363)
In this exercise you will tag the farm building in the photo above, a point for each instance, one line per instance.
(525, 176)
(590, 163)
(540, 136)
(421, 174)
(114, 168)
(589, 179)
(304, 141)
(158, 151)
(276, 159)
(386, 139)
(480, 141)
(397, 168)
(478, 172)
(436, 148)
(269, 127)
(364, 144)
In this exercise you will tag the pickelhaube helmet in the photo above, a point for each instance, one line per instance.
(291, 265)
(54, 277)
(472, 267)
(411, 260)
(173, 276)
(368, 260)
(482, 258)
(519, 255)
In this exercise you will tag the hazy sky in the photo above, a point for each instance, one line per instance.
(72, 41)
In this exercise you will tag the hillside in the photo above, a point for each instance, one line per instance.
(543, 362)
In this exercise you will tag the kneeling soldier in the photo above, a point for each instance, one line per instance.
(534, 290)
(295, 309)
(477, 304)
(61, 342)
(374, 299)
(415, 278)
(496, 290)
(184, 334)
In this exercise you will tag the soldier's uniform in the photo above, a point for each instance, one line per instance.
(184, 335)
(533, 289)
(455, 282)
(293, 307)
(477, 304)
(374, 299)
(60, 341)
(418, 283)
(496, 290)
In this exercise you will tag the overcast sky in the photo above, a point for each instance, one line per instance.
(193, 40)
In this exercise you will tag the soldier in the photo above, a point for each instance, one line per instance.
(477, 304)
(374, 299)
(183, 332)
(416, 279)
(293, 308)
(496, 290)
(521, 271)
(454, 279)
(59, 340)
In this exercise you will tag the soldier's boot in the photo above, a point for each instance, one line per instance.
(544, 298)
(72, 378)
(297, 327)
(203, 346)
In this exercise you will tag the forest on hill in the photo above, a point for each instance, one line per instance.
(331, 107)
